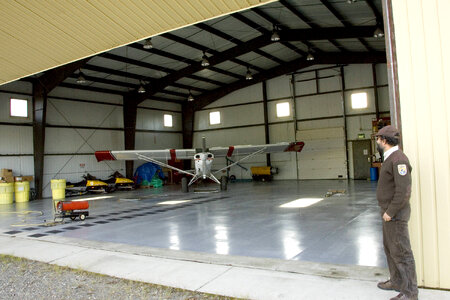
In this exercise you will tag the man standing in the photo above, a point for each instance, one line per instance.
(393, 193)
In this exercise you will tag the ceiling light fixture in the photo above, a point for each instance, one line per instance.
(148, 44)
(205, 61)
(275, 36)
(351, 1)
(190, 97)
(378, 33)
(249, 75)
(81, 79)
(141, 89)
(310, 56)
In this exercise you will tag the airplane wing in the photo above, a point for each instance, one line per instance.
(138, 154)
(261, 149)
(150, 156)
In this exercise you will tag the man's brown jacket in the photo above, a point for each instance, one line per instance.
(394, 186)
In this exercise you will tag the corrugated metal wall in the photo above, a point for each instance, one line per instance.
(78, 124)
(318, 107)
(423, 48)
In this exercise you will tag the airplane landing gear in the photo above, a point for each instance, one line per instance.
(223, 183)
(184, 185)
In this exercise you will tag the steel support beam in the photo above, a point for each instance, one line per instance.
(39, 117)
(254, 44)
(129, 125)
(41, 87)
(266, 121)
(394, 89)
(188, 130)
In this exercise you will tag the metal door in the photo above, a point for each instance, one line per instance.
(361, 163)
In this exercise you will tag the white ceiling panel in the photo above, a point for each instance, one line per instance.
(319, 14)
(197, 83)
(235, 28)
(206, 73)
(258, 60)
(352, 45)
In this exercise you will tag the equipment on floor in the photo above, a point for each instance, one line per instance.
(203, 158)
(120, 182)
(263, 173)
(72, 209)
(335, 192)
(89, 184)
(149, 175)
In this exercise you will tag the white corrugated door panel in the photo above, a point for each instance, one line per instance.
(422, 45)
(323, 156)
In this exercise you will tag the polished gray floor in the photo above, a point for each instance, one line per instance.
(246, 220)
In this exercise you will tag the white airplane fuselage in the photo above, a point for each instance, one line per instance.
(203, 162)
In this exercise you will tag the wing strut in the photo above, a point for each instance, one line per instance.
(143, 157)
(244, 158)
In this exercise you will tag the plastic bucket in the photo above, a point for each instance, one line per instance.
(58, 189)
(373, 174)
(22, 191)
(6, 193)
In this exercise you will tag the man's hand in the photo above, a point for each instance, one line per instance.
(386, 217)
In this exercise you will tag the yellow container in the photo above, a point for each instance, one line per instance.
(22, 190)
(6, 193)
(58, 189)
(260, 170)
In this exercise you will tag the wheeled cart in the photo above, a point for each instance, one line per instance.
(72, 209)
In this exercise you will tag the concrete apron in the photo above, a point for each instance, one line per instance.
(234, 276)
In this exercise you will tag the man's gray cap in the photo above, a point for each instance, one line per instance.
(388, 131)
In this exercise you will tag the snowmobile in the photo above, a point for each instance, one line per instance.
(120, 182)
(89, 184)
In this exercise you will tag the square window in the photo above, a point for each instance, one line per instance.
(19, 108)
(214, 117)
(283, 109)
(359, 100)
(168, 121)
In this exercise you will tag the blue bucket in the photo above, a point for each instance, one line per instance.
(373, 174)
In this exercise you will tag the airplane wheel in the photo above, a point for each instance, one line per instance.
(82, 217)
(223, 183)
(73, 218)
(184, 185)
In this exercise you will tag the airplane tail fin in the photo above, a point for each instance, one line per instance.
(203, 144)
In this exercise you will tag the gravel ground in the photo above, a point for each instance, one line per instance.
(27, 279)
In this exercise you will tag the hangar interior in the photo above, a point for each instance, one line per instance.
(68, 123)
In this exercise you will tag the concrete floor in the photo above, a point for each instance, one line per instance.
(246, 220)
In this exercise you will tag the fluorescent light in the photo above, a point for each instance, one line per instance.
(302, 202)
(148, 44)
(173, 202)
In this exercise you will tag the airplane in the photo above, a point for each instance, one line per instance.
(203, 158)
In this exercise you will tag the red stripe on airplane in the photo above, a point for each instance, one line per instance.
(104, 155)
(294, 147)
(173, 154)
(230, 151)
